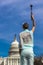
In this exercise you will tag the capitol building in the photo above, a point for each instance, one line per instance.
(14, 57)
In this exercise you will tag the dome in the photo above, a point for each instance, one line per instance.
(14, 48)
(14, 43)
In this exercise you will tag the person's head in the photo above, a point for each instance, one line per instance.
(25, 26)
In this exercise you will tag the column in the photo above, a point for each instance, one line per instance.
(4, 61)
(14, 61)
(17, 62)
(8, 61)
(11, 61)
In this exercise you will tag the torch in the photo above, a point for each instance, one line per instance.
(31, 10)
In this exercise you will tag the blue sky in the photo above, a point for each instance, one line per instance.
(13, 13)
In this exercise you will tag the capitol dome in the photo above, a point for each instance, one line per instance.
(14, 48)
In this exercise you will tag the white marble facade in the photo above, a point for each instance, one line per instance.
(14, 57)
(11, 61)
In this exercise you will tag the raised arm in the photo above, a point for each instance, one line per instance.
(33, 22)
(32, 18)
